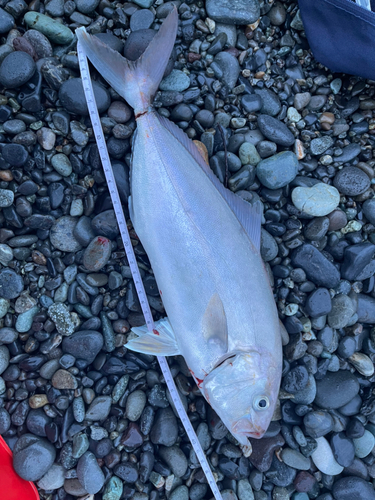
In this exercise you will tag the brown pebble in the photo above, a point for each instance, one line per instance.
(304, 482)
(23, 45)
(62, 379)
(202, 150)
(337, 220)
(120, 340)
(327, 118)
(6, 175)
(193, 57)
(38, 258)
(38, 400)
(299, 150)
(367, 169)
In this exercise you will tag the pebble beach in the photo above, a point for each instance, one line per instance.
(85, 417)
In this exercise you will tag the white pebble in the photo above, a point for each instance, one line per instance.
(324, 460)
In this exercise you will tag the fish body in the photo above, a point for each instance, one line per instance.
(203, 244)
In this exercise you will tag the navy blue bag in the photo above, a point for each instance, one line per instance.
(341, 35)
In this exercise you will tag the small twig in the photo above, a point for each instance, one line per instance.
(226, 155)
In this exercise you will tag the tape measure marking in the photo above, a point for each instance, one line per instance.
(113, 191)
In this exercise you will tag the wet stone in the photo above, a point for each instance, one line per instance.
(127, 472)
(135, 404)
(353, 487)
(366, 309)
(275, 130)
(32, 457)
(60, 315)
(318, 423)
(62, 165)
(277, 171)
(233, 11)
(164, 430)
(16, 69)
(343, 449)
(97, 254)
(62, 379)
(84, 345)
(356, 258)
(4, 358)
(364, 444)
(296, 379)
(336, 389)
(226, 68)
(6, 21)
(15, 154)
(251, 103)
(105, 224)
(174, 457)
(89, 473)
(6, 198)
(318, 303)
(176, 81)
(11, 284)
(316, 266)
(52, 29)
(342, 310)
(351, 181)
(99, 408)
(320, 145)
(61, 234)
(72, 97)
(317, 200)
(270, 101)
(263, 451)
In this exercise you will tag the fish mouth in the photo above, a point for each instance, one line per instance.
(246, 428)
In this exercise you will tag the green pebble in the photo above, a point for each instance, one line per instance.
(80, 445)
(79, 409)
(176, 80)
(244, 490)
(61, 164)
(84, 311)
(120, 388)
(248, 154)
(4, 306)
(113, 489)
(51, 28)
(25, 320)
(108, 333)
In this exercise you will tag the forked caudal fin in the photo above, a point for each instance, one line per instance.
(136, 81)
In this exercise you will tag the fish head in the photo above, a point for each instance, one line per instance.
(243, 391)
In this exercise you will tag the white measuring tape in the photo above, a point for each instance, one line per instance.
(113, 191)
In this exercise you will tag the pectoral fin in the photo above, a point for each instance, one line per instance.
(214, 324)
(160, 342)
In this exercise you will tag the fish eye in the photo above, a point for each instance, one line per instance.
(261, 403)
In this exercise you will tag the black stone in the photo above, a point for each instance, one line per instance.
(336, 389)
(316, 266)
(343, 449)
(72, 97)
(356, 258)
(16, 69)
(318, 303)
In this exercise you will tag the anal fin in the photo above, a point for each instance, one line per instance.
(160, 342)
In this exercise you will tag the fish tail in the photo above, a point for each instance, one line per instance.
(136, 81)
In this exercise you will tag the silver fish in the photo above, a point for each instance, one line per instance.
(203, 243)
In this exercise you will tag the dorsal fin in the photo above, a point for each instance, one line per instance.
(249, 215)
